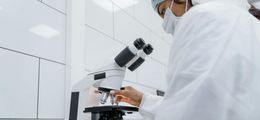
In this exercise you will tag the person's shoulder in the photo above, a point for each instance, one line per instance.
(211, 11)
(203, 16)
(207, 9)
(200, 13)
(217, 8)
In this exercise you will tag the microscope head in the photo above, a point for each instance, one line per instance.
(112, 75)
(106, 79)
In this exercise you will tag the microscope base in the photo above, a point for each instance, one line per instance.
(113, 112)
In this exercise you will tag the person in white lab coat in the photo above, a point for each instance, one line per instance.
(214, 66)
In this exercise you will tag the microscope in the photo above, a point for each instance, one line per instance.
(90, 94)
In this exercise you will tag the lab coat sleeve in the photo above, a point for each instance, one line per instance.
(149, 105)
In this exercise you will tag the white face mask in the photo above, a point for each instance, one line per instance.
(170, 20)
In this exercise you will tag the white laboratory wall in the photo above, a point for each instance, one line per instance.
(32, 58)
(18, 94)
(59, 5)
(51, 90)
(32, 27)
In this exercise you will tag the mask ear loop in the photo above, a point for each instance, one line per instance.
(186, 7)
(171, 4)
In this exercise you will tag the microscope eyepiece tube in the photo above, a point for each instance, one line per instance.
(124, 57)
(129, 53)
(148, 49)
(139, 43)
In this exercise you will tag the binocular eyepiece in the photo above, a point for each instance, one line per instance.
(139, 43)
(133, 56)
(148, 49)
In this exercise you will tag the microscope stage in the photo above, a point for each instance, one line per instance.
(111, 108)
(112, 112)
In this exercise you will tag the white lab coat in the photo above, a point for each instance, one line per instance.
(214, 67)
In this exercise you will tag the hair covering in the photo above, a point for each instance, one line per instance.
(155, 3)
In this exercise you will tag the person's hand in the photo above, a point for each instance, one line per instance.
(129, 95)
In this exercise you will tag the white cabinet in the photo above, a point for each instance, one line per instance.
(125, 5)
(31, 27)
(57, 4)
(99, 49)
(127, 29)
(18, 85)
(99, 15)
(161, 49)
(145, 13)
(153, 74)
(51, 90)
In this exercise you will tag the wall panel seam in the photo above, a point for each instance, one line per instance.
(38, 88)
(32, 55)
(53, 8)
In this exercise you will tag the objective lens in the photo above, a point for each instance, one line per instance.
(103, 98)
